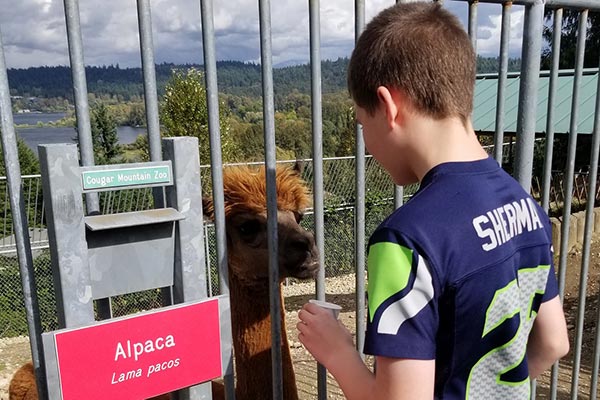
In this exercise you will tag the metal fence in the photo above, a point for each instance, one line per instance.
(339, 198)
(339, 195)
(24, 219)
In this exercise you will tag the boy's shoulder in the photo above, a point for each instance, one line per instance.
(463, 210)
(452, 189)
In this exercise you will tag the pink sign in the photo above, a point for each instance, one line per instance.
(141, 356)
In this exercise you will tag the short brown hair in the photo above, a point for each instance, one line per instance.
(420, 49)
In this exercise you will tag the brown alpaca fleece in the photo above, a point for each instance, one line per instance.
(251, 324)
(245, 196)
(23, 387)
(245, 190)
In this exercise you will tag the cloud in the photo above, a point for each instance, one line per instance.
(488, 34)
(34, 31)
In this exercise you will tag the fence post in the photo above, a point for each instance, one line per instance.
(20, 227)
(530, 69)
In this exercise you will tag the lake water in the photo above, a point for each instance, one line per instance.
(47, 135)
(34, 118)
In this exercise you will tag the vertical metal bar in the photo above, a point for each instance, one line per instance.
(570, 167)
(43, 213)
(82, 111)
(399, 190)
(107, 200)
(37, 193)
(216, 161)
(473, 23)
(317, 136)
(589, 224)
(208, 266)
(210, 66)
(19, 219)
(317, 149)
(398, 196)
(4, 232)
(28, 199)
(532, 48)
(130, 206)
(189, 279)
(148, 68)
(151, 103)
(359, 207)
(593, 171)
(556, 37)
(581, 37)
(264, 8)
(502, 72)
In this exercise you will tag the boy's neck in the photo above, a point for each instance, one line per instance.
(434, 142)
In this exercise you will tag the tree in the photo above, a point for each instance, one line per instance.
(136, 115)
(28, 161)
(104, 135)
(184, 113)
(136, 152)
(293, 134)
(568, 44)
(29, 165)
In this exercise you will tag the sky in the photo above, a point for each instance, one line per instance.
(34, 31)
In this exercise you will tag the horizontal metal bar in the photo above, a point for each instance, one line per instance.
(544, 73)
(592, 5)
(133, 218)
(517, 2)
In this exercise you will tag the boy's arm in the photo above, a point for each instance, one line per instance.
(548, 339)
(404, 379)
(331, 344)
(398, 379)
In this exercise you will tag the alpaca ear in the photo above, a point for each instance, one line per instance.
(299, 167)
(207, 208)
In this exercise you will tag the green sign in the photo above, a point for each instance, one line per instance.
(111, 178)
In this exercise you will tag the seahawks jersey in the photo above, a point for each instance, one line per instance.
(457, 274)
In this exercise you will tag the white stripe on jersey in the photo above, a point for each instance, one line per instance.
(407, 307)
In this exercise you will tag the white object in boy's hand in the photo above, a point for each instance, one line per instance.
(335, 309)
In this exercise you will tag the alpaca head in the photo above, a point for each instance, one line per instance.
(245, 195)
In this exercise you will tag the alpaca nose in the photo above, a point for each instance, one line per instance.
(301, 244)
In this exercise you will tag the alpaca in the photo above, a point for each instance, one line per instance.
(23, 387)
(248, 264)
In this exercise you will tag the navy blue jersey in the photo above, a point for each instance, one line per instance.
(457, 274)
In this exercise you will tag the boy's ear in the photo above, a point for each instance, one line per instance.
(388, 100)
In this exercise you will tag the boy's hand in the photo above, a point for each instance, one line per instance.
(323, 336)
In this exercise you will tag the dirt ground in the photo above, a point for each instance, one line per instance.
(340, 290)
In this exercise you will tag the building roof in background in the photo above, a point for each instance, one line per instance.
(486, 89)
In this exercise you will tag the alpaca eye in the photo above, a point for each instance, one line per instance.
(249, 228)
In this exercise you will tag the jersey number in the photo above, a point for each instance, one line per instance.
(485, 378)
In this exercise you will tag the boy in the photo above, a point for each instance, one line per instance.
(462, 296)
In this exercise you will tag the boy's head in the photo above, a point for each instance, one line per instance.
(421, 50)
